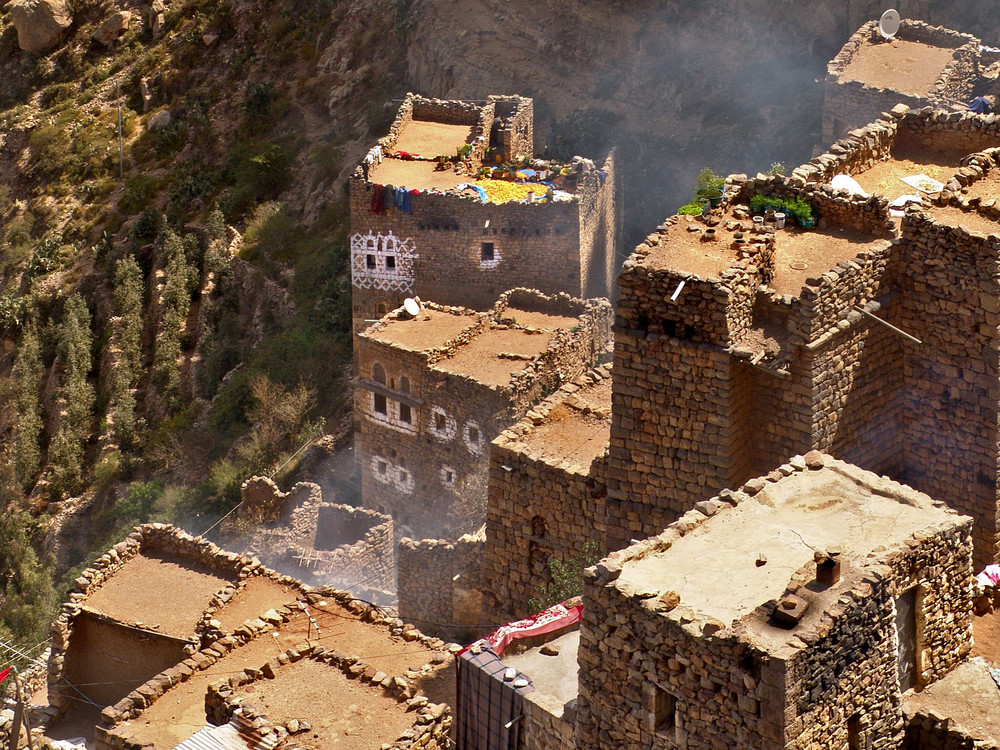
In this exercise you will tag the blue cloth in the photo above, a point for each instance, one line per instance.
(980, 105)
(403, 200)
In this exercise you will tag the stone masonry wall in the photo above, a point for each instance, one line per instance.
(950, 283)
(545, 726)
(528, 494)
(602, 222)
(355, 547)
(441, 586)
(800, 694)
(851, 104)
(676, 431)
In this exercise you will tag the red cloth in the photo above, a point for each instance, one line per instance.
(377, 207)
(4, 674)
(548, 620)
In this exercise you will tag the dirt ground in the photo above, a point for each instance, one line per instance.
(683, 250)
(800, 254)
(174, 605)
(986, 637)
(480, 359)
(256, 597)
(884, 178)
(571, 434)
(970, 220)
(180, 712)
(424, 138)
(987, 189)
(901, 65)
(967, 696)
(431, 328)
(415, 175)
(530, 319)
(344, 714)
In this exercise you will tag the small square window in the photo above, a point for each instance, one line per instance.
(380, 404)
(449, 476)
(664, 711)
(473, 435)
(383, 467)
(486, 251)
(390, 262)
(370, 262)
(405, 414)
(439, 422)
(404, 476)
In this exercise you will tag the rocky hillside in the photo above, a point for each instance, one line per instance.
(174, 299)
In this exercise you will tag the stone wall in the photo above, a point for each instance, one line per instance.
(538, 508)
(431, 724)
(545, 725)
(851, 104)
(440, 586)
(949, 293)
(263, 501)
(729, 690)
(355, 548)
(932, 732)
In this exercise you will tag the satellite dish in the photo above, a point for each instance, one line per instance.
(888, 24)
(411, 306)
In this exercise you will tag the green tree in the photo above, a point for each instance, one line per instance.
(28, 596)
(74, 400)
(28, 375)
(175, 303)
(566, 578)
(127, 327)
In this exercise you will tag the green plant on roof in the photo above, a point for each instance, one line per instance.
(776, 168)
(709, 184)
(464, 150)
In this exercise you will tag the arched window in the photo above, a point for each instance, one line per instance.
(378, 373)
(404, 384)
(380, 309)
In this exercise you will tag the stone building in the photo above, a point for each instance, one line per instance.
(546, 494)
(448, 229)
(792, 613)
(731, 353)
(922, 66)
(433, 390)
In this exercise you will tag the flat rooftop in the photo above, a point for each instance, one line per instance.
(901, 65)
(798, 253)
(885, 177)
(345, 714)
(430, 329)
(432, 139)
(577, 430)
(552, 674)
(713, 567)
(180, 712)
(492, 357)
(165, 593)
(971, 221)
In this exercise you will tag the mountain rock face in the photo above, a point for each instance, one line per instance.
(40, 23)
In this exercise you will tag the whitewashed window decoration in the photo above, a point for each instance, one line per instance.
(473, 437)
(382, 261)
(381, 469)
(489, 255)
(441, 426)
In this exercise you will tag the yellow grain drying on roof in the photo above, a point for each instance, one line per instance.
(501, 191)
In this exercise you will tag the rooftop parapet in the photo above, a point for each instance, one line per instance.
(479, 151)
(522, 339)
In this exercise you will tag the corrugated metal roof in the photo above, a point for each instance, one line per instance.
(231, 736)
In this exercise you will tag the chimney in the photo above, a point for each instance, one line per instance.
(827, 566)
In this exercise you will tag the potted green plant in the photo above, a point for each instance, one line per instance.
(803, 212)
(709, 187)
